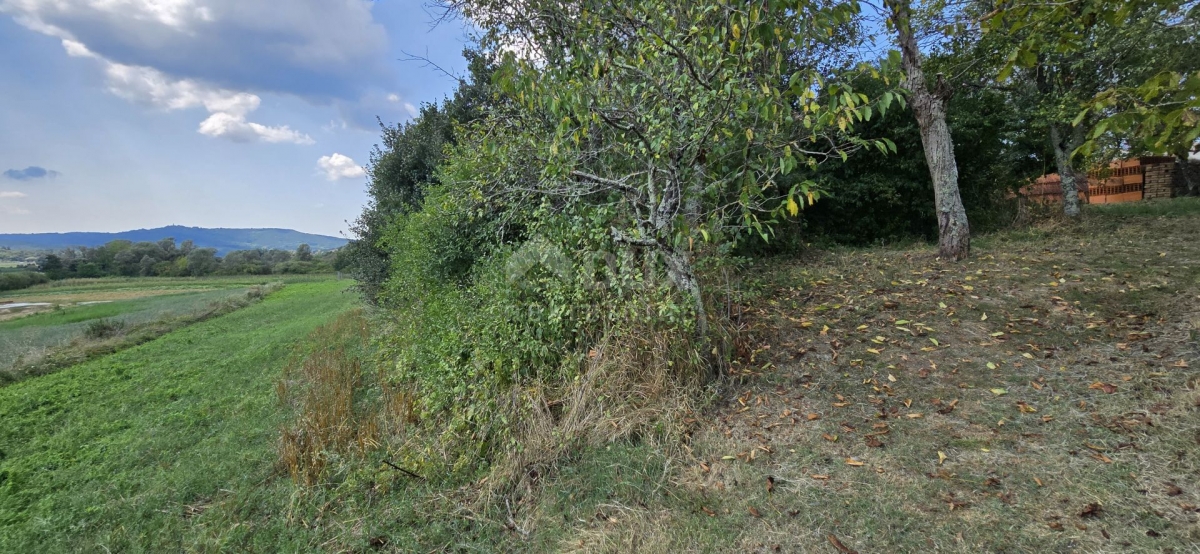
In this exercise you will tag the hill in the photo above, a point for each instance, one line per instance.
(224, 240)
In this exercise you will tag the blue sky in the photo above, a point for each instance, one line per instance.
(124, 114)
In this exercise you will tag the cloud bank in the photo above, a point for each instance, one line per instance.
(220, 55)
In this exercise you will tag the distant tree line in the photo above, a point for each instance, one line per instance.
(123, 258)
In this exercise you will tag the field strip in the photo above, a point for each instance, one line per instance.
(105, 455)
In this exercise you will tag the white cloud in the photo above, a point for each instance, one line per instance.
(237, 129)
(339, 166)
(12, 194)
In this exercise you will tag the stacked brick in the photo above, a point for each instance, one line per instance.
(1159, 177)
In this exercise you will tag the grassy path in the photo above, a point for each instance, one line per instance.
(126, 452)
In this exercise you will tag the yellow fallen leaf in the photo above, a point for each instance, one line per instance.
(934, 341)
(941, 457)
(824, 330)
(983, 318)
(819, 476)
(991, 365)
(872, 350)
(861, 327)
(942, 305)
(853, 462)
(999, 392)
(891, 378)
(1028, 355)
(916, 416)
(728, 457)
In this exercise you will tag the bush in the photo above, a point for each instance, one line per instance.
(487, 333)
(21, 280)
(101, 329)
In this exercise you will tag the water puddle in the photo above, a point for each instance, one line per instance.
(24, 305)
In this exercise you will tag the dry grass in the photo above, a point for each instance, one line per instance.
(323, 387)
(1042, 396)
(641, 385)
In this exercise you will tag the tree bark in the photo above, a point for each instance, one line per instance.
(1183, 166)
(929, 106)
(1063, 147)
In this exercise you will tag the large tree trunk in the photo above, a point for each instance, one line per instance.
(954, 233)
(1064, 145)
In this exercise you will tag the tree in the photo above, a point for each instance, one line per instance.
(304, 253)
(928, 102)
(680, 116)
(1102, 66)
(52, 266)
(404, 165)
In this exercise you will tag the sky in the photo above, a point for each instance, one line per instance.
(128, 114)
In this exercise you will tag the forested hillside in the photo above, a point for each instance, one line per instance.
(222, 240)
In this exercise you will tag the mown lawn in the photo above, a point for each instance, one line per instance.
(126, 452)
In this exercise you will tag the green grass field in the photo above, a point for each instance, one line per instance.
(123, 453)
(36, 333)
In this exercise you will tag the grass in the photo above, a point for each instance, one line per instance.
(47, 340)
(1041, 396)
(160, 447)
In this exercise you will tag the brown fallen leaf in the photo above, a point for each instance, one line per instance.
(1173, 490)
(819, 477)
(770, 484)
(828, 437)
(1055, 525)
(708, 511)
(853, 462)
(873, 442)
(1102, 458)
(1108, 388)
(754, 511)
(1091, 510)
(839, 546)
(814, 416)
(949, 407)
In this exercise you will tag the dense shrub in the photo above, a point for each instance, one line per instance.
(14, 280)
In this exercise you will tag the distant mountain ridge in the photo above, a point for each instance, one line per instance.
(224, 240)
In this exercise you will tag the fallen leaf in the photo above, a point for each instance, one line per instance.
(873, 351)
(1025, 408)
(983, 318)
(839, 546)
(1038, 481)
(1055, 525)
(708, 511)
(916, 416)
(873, 442)
(1102, 458)
(819, 477)
(812, 417)
(770, 484)
(999, 392)
(853, 462)
(934, 341)
(828, 437)
(949, 407)
(991, 365)
(891, 378)
(1180, 363)
(1108, 388)
(754, 511)
(941, 457)
(1091, 510)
